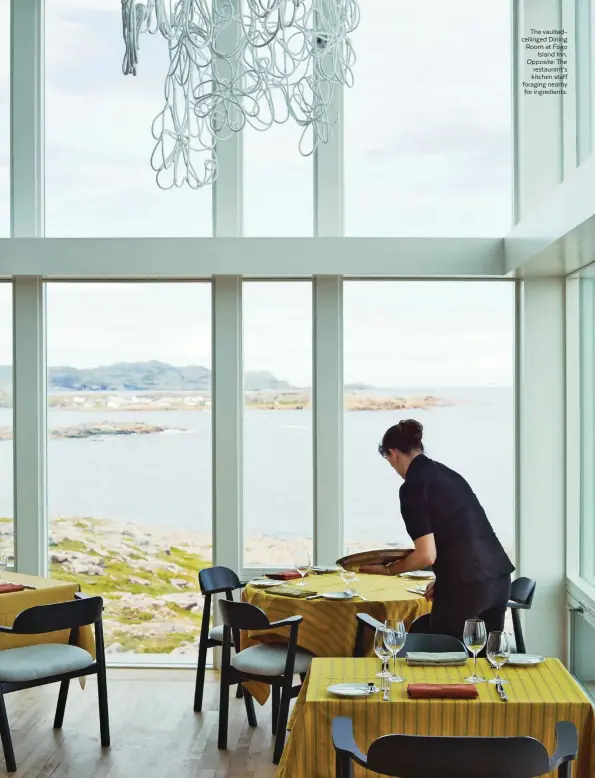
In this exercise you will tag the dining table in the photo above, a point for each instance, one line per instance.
(38, 591)
(538, 698)
(329, 625)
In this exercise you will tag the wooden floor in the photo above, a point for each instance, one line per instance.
(155, 733)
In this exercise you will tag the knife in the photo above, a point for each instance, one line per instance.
(501, 692)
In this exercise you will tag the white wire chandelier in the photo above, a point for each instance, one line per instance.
(238, 62)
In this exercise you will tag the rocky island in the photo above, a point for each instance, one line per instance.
(100, 430)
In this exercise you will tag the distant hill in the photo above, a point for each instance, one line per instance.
(143, 376)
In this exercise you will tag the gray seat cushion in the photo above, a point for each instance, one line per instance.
(269, 660)
(216, 633)
(31, 662)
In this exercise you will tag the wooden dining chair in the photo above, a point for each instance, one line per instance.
(273, 664)
(45, 663)
(212, 580)
(419, 756)
(522, 592)
(414, 642)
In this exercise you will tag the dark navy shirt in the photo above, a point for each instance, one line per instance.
(435, 499)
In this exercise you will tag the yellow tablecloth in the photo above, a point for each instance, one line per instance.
(539, 698)
(329, 626)
(47, 590)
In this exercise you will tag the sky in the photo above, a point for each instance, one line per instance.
(427, 153)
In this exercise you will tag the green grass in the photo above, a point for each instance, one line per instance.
(75, 545)
(163, 645)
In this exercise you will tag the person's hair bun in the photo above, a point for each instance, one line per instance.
(412, 432)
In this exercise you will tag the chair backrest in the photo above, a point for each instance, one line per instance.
(421, 625)
(213, 580)
(522, 591)
(58, 616)
(242, 615)
(431, 643)
(413, 756)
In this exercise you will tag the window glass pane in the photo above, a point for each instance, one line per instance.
(441, 353)
(428, 122)
(278, 513)
(278, 183)
(99, 180)
(6, 457)
(587, 367)
(4, 118)
(583, 640)
(129, 455)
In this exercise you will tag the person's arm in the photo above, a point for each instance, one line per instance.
(423, 556)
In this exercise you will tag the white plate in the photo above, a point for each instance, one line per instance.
(337, 596)
(265, 582)
(325, 568)
(419, 574)
(525, 660)
(350, 690)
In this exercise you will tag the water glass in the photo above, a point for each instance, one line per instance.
(347, 576)
(3, 563)
(302, 564)
(381, 652)
(394, 640)
(498, 653)
(475, 638)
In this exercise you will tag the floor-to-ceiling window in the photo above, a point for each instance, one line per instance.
(441, 352)
(4, 118)
(129, 454)
(99, 142)
(277, 350)
(6, 427)
(428, 129)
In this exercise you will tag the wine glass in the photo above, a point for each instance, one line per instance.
(394, 640)
(347, 576)
(381, 652)
(498, 654)
(302, 564)
(475, 638)
(3, 564)
(348, 551)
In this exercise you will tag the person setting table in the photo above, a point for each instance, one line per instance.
(451, 532)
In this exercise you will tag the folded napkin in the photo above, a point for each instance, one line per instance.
(446, 691)
(284, 575)
(291, 591)
(449, 659)
(10, 587)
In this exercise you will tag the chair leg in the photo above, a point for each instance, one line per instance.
(239, 692)
(200, 675)
(276, 698)
(282, 720)
(62, 696)
(11, 765)
(223, 714)
(103, 708)
(249, 703)
(518, 632)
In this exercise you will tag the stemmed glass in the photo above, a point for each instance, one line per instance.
(302, 564)
(475, 637)
(3, 563)
(394, 640)
(381, 652)
(498, 654)
(347, 576)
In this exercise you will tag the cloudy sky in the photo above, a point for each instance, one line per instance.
(427, 153)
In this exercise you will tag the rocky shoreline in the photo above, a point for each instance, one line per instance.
(100, 430)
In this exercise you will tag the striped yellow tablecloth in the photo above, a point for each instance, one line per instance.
(47, 590)
(329, 626)
(539, 698)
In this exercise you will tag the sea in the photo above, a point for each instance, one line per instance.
(164, 479)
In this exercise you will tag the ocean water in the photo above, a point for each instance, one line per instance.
(165, 479)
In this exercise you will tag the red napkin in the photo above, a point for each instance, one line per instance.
(434, 691)
(284, 575)
(8, 587)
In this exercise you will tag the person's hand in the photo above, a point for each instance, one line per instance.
(374, 569)
(429, 593)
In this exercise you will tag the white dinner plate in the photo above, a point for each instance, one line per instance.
(351, 690)
(525, 660)
(265, 582)
(424, 574)
(337, 596)
(325, 568)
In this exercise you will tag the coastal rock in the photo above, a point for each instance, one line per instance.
(191, 601)
(181, 583)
